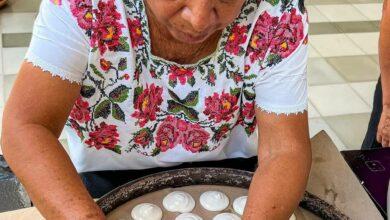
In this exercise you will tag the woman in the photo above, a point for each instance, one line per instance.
(3, 3)
(157, 84)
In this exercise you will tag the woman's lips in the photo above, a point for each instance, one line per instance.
(190, 38)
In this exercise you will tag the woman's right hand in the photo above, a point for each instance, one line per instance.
(383, 133)
(33, 119)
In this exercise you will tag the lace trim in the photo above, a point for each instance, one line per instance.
(297, 109)
(53, 70)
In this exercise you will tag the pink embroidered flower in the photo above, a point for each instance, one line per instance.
(143, 137)
(82, 10)
(105, 136)
(236, 38)
(106, 28)
(180, 74)
(220, 107)
(262, 36)
(288, 35)
(105, 64)
(248, 110)
(247, 68)
(221, 132)
(135, 32)
(195, 138)
(80, 111)
(147, 104)
(167, 134)
(126, 76)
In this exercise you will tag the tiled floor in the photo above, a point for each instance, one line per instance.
(342, 70)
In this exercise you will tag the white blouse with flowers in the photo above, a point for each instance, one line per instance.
(138, 111)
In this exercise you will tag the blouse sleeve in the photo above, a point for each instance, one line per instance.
(58, 44)
(281, 83)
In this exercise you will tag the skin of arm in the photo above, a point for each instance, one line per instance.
(34, 117)
(284, 164)
(383, 134)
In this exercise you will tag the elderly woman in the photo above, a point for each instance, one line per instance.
(145, 84)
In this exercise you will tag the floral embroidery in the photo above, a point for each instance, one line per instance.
(135, 32)
(80, 112)
(105, 64)
(248, 110)
(147, 102)
(181, 74)
(195, 138)
(220, 107)
(144, 137)
(106, 28)
(105, 136)
(56, 2)
(236, 38)
(82, 10)
(167, 134)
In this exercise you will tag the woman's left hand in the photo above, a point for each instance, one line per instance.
(284, 165)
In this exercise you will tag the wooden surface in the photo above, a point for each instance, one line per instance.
(331, 179)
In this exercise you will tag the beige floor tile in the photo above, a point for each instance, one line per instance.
(368, 42)
(340, 99)
(318, 124)
(22, 6)
(351, 129)
(336, 13)
(17, 22)
(333, 45)
(313, 113)
(313, 52)
(365, 90)
(320, 72)
(8, 84)
(315, 16)
(12, 58)
(355, 68)
(372, 11)
(375, 58)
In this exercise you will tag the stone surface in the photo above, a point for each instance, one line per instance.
(12, 194)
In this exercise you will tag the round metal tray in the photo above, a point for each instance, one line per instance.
(202, 176)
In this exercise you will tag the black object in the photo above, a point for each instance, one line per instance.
(202, 176)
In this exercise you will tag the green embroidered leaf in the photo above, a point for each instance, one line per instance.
(119, 94)
(222, 68)
(124, 46)
(117, 149)
(103, 109)
(204, 148)
(241, 52)
(94, 49)
(220, 58)
(87, 91)
(174, 96)
(235, 92)
(273, 2)
(191, 81)
(122, 64)
(172, 83)
(192, 99)
(274, 59)
(137, 92)
(156, 151)
(191, 114)
(248, 95)
(175, 107)
(252, 76)
(117, 112)
(96, 71)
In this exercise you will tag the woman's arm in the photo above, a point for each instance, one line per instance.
(34, 117)
(284, 164)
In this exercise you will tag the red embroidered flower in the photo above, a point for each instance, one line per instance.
(80, 111)
(247, 68)
(82, 10)
(105, 64)
(288, 35)
(126, 76)
(221, 132)
(167, 134)
(248, 110)
(262, 36)
(105, 136)
(143, 137)
(220, 107)
(135, 32)
(195, 138)
(56, 2)
(106, 28)
(182, 74)
(75, 126)
(147, 104)
(236, 38)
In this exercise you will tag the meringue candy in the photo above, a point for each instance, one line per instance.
(146, 211)
(179, 201)
(188, 216)
(226, 216)
(239, 204)
(293, 217)
(214, 201)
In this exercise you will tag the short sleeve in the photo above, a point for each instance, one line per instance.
(281, 82)
(58, 44)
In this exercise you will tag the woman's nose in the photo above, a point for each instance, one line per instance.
(200, 14)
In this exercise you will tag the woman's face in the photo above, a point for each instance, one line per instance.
(193, 21)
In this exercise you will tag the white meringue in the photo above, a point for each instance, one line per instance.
(188, 216)
(226, 216)
(293, 217)
(239, 204)
(214, 201)
(179, 201)
(146, 211)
